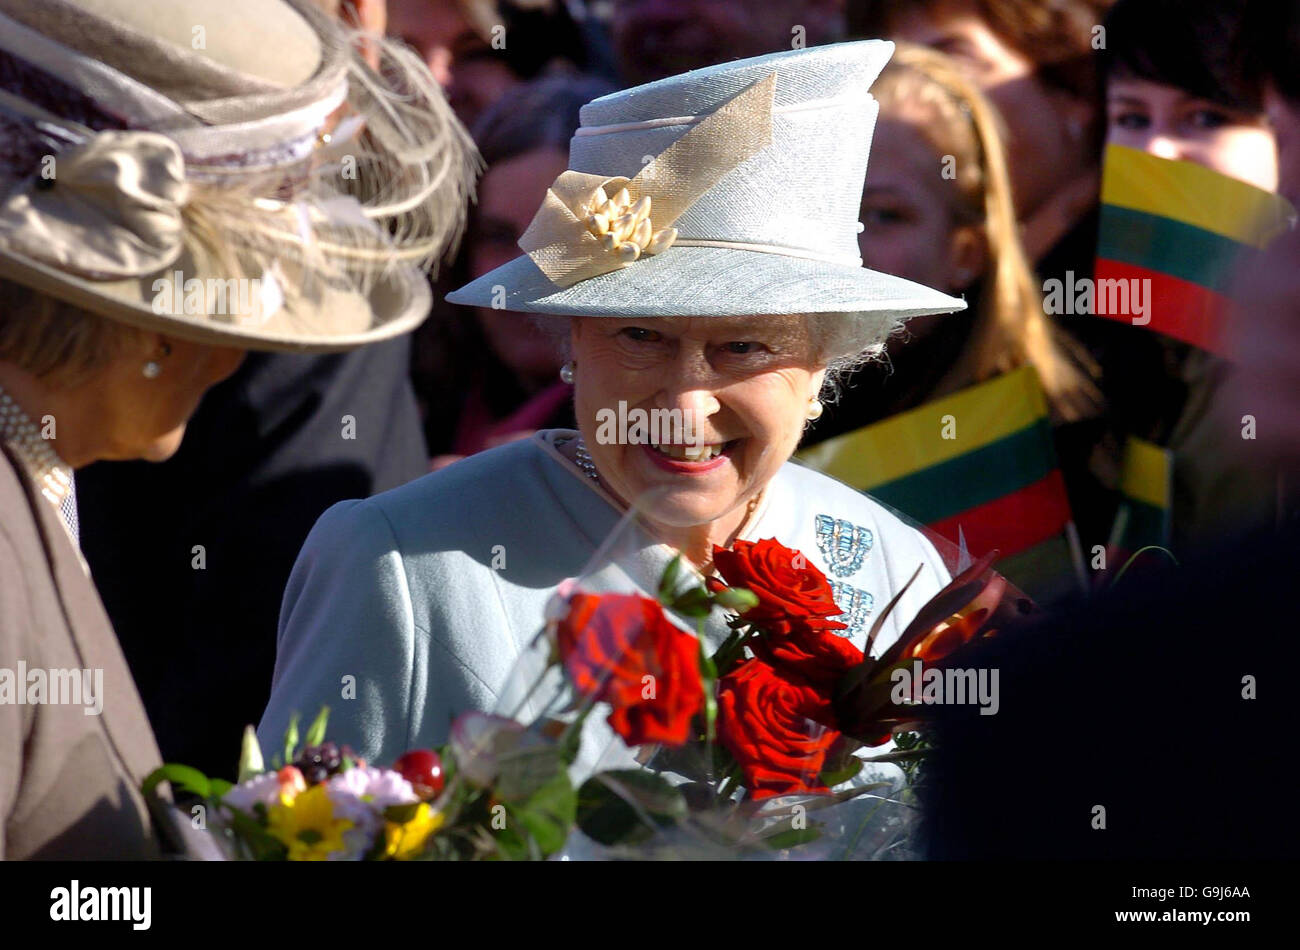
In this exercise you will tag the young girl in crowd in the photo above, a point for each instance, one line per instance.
(1175, 89)
(937, 208)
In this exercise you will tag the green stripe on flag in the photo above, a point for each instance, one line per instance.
(1168, 246)
(975, 478)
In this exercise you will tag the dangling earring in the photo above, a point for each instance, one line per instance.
(152, 369)
(566, 372)
(814, 408)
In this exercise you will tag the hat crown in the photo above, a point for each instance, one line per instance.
(803, 191)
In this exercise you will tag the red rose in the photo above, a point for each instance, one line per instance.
(792, 594)
(621, 649)
(773, 729)
(794, 606)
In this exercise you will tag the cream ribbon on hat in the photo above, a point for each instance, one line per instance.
(112, 210)
(590, 225)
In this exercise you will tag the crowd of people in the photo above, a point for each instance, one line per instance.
(984, 183)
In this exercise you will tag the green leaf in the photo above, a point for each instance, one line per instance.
(182, 777)
(525, 770)
(668, 582)
(250, 756)
(249, 832)
(792, 838)
(708, 679)
(695, 602)
(736, 598)
(291, 739)
(403, 813)
(316, 731)
(831, 779)
(627, 805)
(510, 844)
(549, 813)
(219, 786)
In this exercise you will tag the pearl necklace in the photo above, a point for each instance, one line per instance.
(51, 475)
(583, 458)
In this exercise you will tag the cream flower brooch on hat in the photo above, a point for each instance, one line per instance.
(725, 191)
(228, 171)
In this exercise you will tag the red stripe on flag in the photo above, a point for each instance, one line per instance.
(1177, 308)
(1013, 522)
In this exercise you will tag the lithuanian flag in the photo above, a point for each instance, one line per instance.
(979, 466)
(1146, 494)
(1184, 228)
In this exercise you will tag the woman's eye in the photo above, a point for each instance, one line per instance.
(640, 334)
(883, 216)
(1133, 121)
(1210, 119)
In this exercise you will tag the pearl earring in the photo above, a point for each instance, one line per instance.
(152, 369)
(566, 372)
(814, 409)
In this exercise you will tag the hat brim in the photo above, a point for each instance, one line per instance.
(708, 281)
(397, 303)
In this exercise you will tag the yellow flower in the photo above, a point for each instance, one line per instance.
(307, 826)
(407, 840)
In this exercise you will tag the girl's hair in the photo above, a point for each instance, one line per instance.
(1010, 328)
(1189, 44)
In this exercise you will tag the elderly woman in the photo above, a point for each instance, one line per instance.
(136, 268)
(726, 301)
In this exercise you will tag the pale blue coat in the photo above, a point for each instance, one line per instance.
(410, 607)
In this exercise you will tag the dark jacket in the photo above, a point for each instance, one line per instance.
(192, 555)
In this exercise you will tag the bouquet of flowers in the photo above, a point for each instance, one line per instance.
(724, 752)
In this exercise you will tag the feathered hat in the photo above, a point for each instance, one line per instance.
(227, 171)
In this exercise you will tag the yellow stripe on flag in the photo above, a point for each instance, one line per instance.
(1193, 194)
(915, 439)
(1146, 475)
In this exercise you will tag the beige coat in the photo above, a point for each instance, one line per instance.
(69, 782)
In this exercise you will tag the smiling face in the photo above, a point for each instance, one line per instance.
(744, 384)
(1170, 123)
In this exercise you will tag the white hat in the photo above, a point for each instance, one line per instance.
(754, 170)
(227, 171)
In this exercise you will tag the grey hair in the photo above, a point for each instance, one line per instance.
(843, 342)
(846, 342)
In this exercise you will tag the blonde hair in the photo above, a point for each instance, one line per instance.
(55, 341)
(1010, 329)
